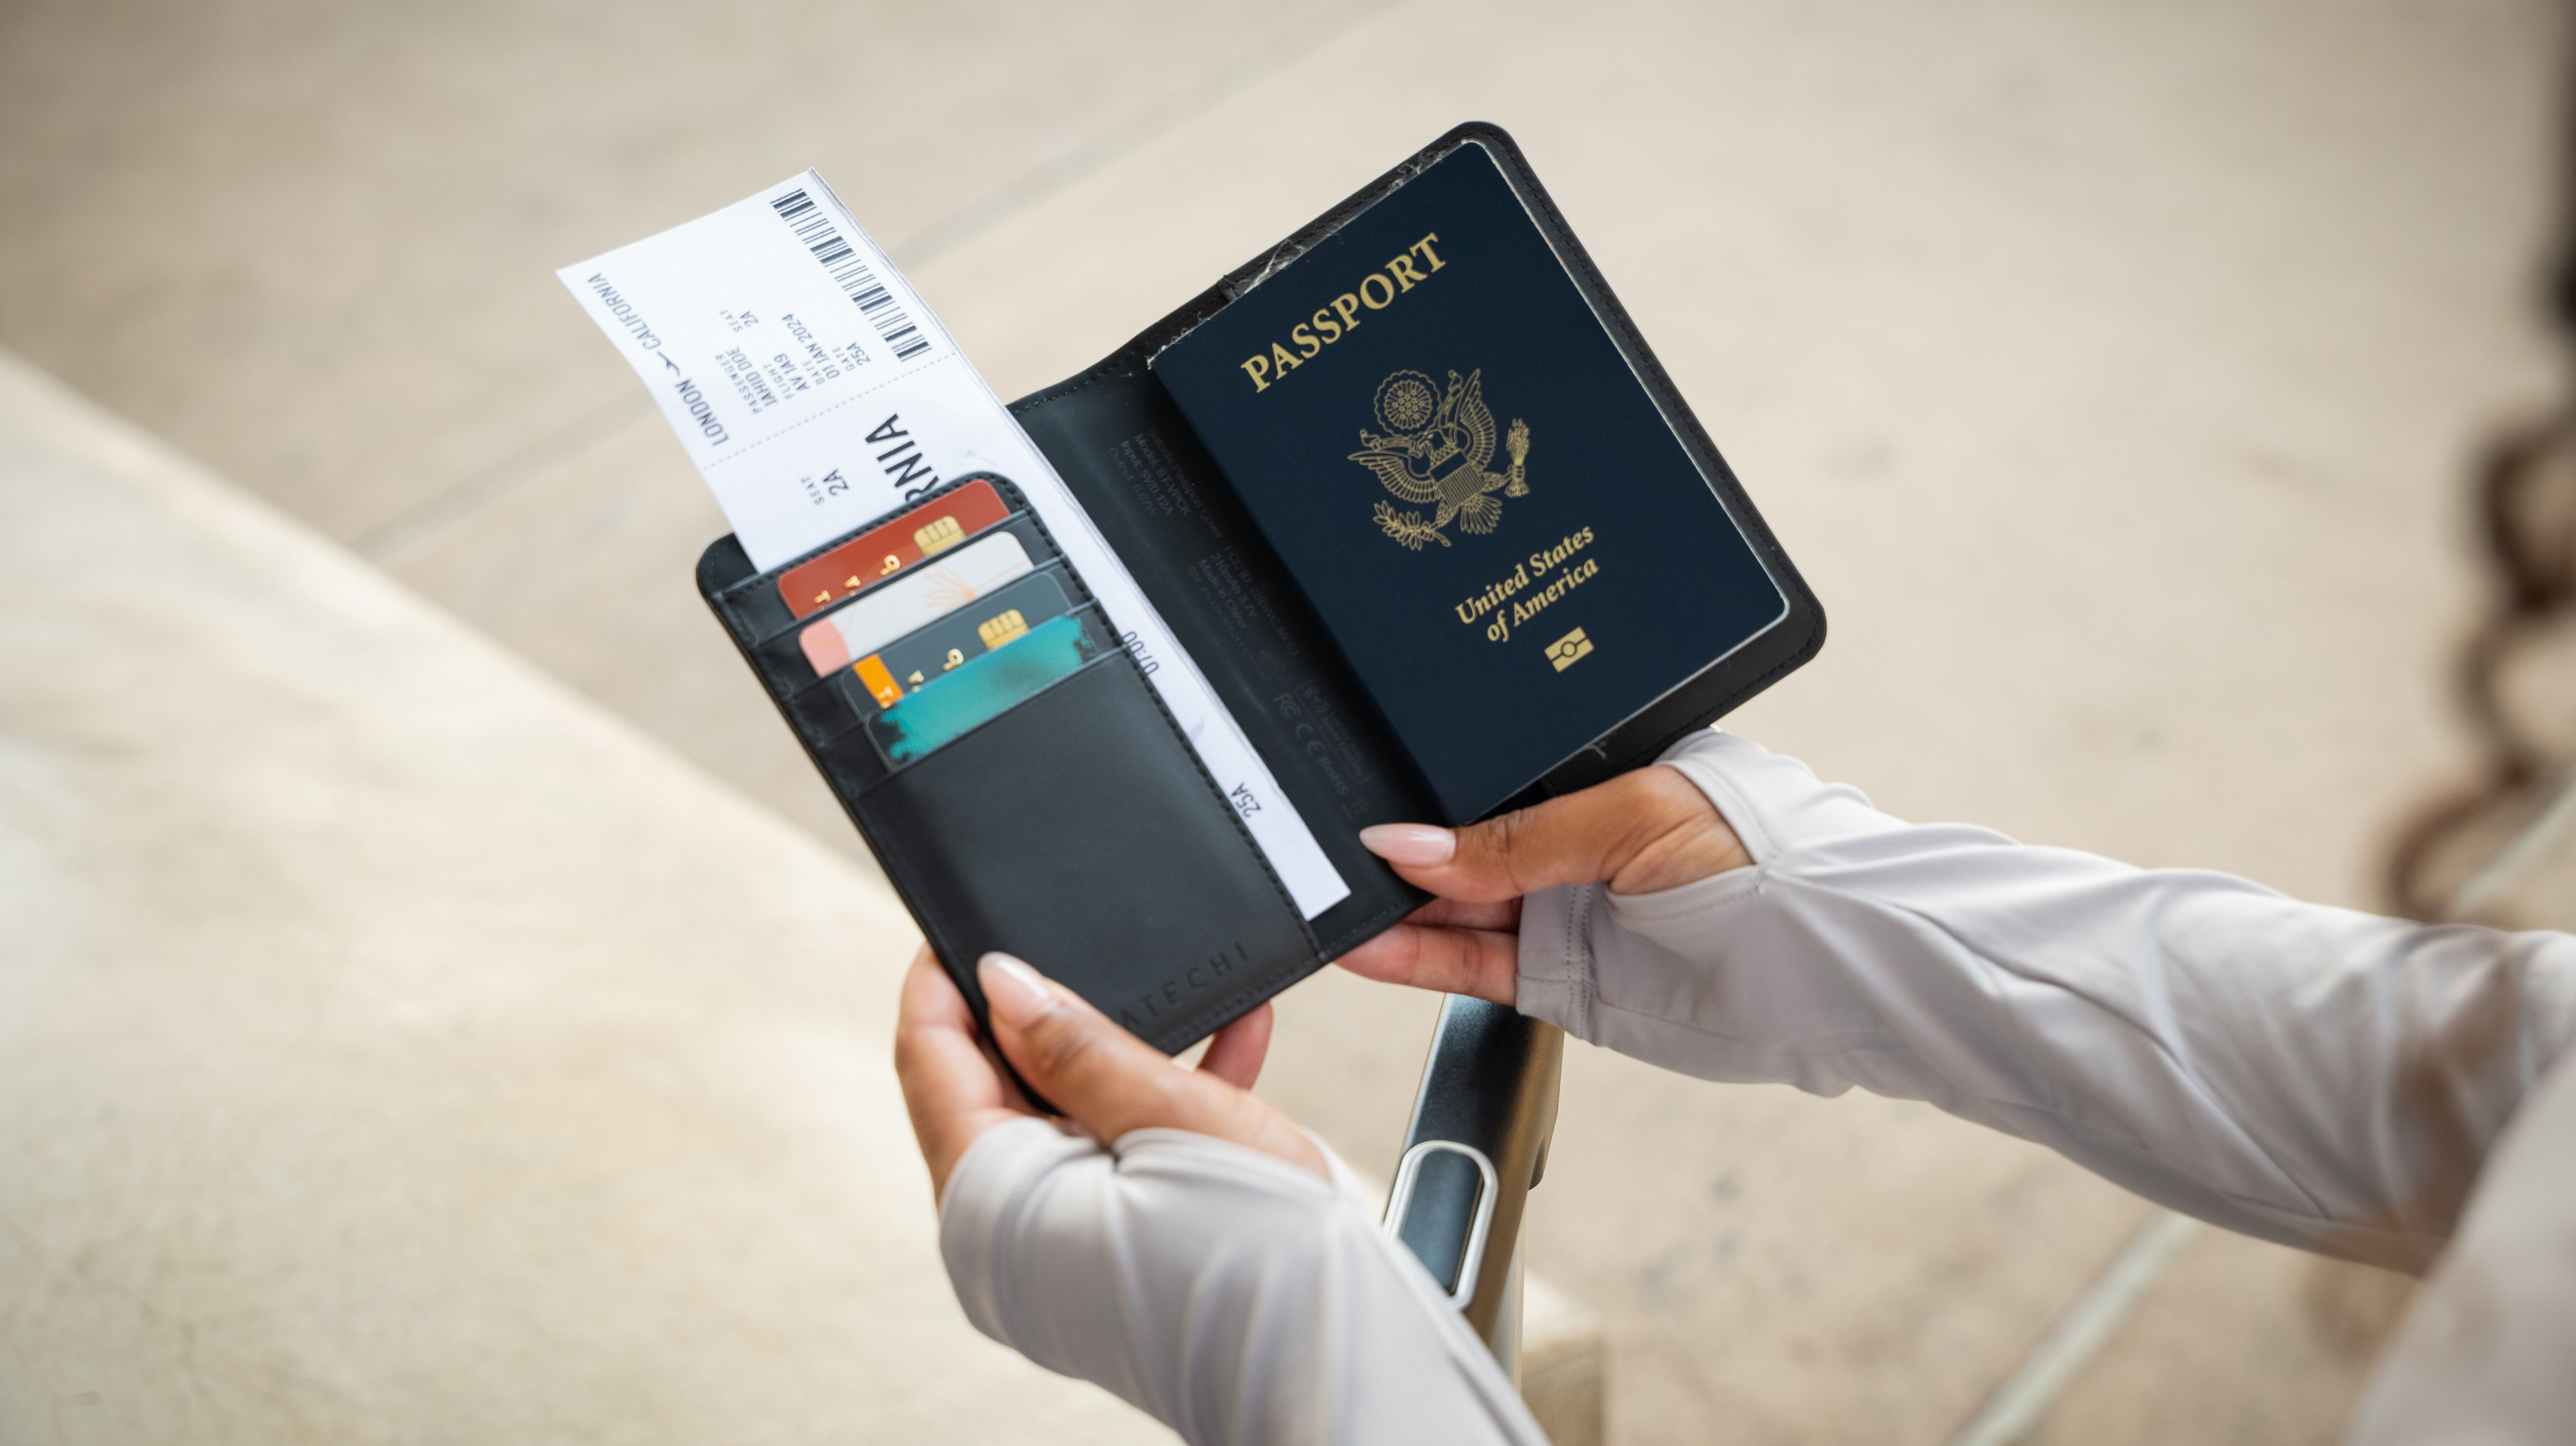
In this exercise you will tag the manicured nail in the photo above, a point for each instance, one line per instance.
(1418, 844)
(1013, 989)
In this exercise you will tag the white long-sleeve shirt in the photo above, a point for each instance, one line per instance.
(2309, 1075)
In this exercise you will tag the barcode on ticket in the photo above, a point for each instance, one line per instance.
(813, 226)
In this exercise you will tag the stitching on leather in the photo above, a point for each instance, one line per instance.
(1074, 385)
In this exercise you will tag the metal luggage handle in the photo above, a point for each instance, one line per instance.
(1488, 1094)
(1408, 1175)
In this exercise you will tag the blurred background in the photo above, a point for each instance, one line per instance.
(2116, 372)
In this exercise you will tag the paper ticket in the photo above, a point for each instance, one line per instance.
(816, 392)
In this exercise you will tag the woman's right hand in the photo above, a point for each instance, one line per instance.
(1642, 832)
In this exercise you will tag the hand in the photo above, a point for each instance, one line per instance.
(1106, 1080)
(1643, 832)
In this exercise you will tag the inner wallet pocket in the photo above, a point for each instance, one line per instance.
(1077, 831)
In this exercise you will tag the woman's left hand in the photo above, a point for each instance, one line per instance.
(1103, 1078)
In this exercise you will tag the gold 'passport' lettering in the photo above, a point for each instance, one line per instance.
(1340, 316)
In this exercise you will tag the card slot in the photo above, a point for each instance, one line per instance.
(1021, 523)
(1078, 831)
(822, 709)
(968, 620)
(736, 595)
(752, 604)
(1099, 641)
(945, 520)
(789, 660)
(825, 711)
(980, 625)
(851, 766)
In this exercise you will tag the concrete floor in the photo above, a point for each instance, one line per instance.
(351, 1092)
(2108, 368)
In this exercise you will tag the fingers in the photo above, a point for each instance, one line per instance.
(1106, 1079)
(1458, 914)
(950, 1088)
(1452, 960)
(1235, 1054)
(1111, 1082)
(1643, 831)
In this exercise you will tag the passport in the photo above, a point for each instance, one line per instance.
(1492, 512)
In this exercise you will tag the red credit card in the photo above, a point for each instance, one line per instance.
(926, 530)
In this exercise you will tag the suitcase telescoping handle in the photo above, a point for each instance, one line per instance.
(1477, 1144)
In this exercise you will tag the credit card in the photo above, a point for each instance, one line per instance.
(1000, 617)
(923, 595)
(925, 531)
(981, 689)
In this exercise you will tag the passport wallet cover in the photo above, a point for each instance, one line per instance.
(1420, 504)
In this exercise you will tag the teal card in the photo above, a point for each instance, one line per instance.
(981, 689)
(930, 653)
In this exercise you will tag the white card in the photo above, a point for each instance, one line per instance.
(921, 597)
(816, 393)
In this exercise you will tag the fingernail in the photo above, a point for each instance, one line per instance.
(1013, 989)
(1409, 843)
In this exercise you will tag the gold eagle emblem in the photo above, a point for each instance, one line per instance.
(1434, 452)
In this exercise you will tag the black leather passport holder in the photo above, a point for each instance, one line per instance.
(1423, 509)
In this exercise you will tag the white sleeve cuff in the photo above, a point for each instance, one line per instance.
(1231, 1295)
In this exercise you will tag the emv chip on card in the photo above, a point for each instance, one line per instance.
(887, 548)
(901, 604)
(982, 688)
(998, 618)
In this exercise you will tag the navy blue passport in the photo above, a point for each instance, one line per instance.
(1473, 484)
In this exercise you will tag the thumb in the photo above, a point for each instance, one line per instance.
(1643, 831)
(1109, 1081)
